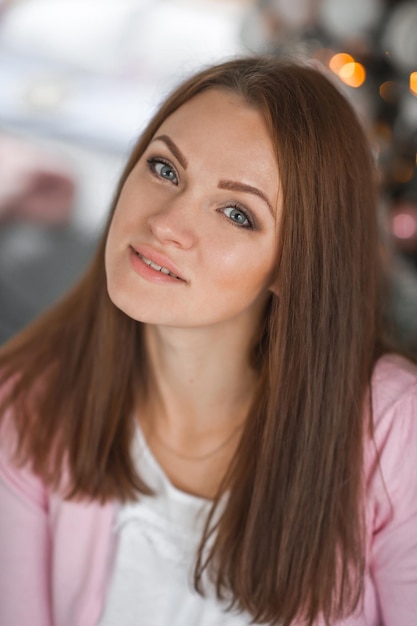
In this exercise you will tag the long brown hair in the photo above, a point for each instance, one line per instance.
(289, 542)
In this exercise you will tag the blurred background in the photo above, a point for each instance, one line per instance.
(80, 78)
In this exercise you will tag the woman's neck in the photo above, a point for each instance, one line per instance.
(199, 381)
(200, 389)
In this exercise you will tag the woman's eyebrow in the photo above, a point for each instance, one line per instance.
(174, 149)
(223, 184)
(236, 186)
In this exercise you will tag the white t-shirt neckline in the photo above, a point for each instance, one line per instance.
(157, 540)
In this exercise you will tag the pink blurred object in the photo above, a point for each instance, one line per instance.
(34, 184)
(403, 224)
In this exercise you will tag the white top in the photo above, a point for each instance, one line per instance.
(157, 542)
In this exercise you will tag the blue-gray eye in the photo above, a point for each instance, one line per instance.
(238, 216)
(164, 170)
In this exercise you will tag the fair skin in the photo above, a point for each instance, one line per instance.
(202, 204)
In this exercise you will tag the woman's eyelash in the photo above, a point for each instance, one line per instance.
(238, 210)
(153, 162)
(238, 216)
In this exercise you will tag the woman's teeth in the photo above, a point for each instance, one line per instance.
(156, 267)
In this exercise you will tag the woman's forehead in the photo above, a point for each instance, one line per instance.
(219, 129)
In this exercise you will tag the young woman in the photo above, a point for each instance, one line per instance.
(208, 429)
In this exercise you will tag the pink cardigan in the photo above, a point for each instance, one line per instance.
(56, 556)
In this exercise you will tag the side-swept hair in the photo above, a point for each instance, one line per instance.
(290, 541)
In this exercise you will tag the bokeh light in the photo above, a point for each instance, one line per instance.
(353, 74)
(347, 69)
(413, 83)
(389, 91)
(404, 225)
(403, 170)
(339, 60)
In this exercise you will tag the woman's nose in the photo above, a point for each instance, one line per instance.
(173, 224)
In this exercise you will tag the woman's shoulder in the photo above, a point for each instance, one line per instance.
(14, 477)
(391, 451)
(393, 388)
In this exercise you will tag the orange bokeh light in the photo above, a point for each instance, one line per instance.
(347, 69)
(352, 74)
(339, 60)
(389, 91)
(413, 83)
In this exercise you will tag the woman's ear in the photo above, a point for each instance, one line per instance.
(274, 288)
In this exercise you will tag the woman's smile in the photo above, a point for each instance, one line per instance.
(197, 211)
(149, 268)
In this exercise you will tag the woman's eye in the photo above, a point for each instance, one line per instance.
(238, 216)
(163, 170)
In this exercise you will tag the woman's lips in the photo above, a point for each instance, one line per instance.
(154, 265)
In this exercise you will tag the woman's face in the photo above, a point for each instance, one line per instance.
(194, 236)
